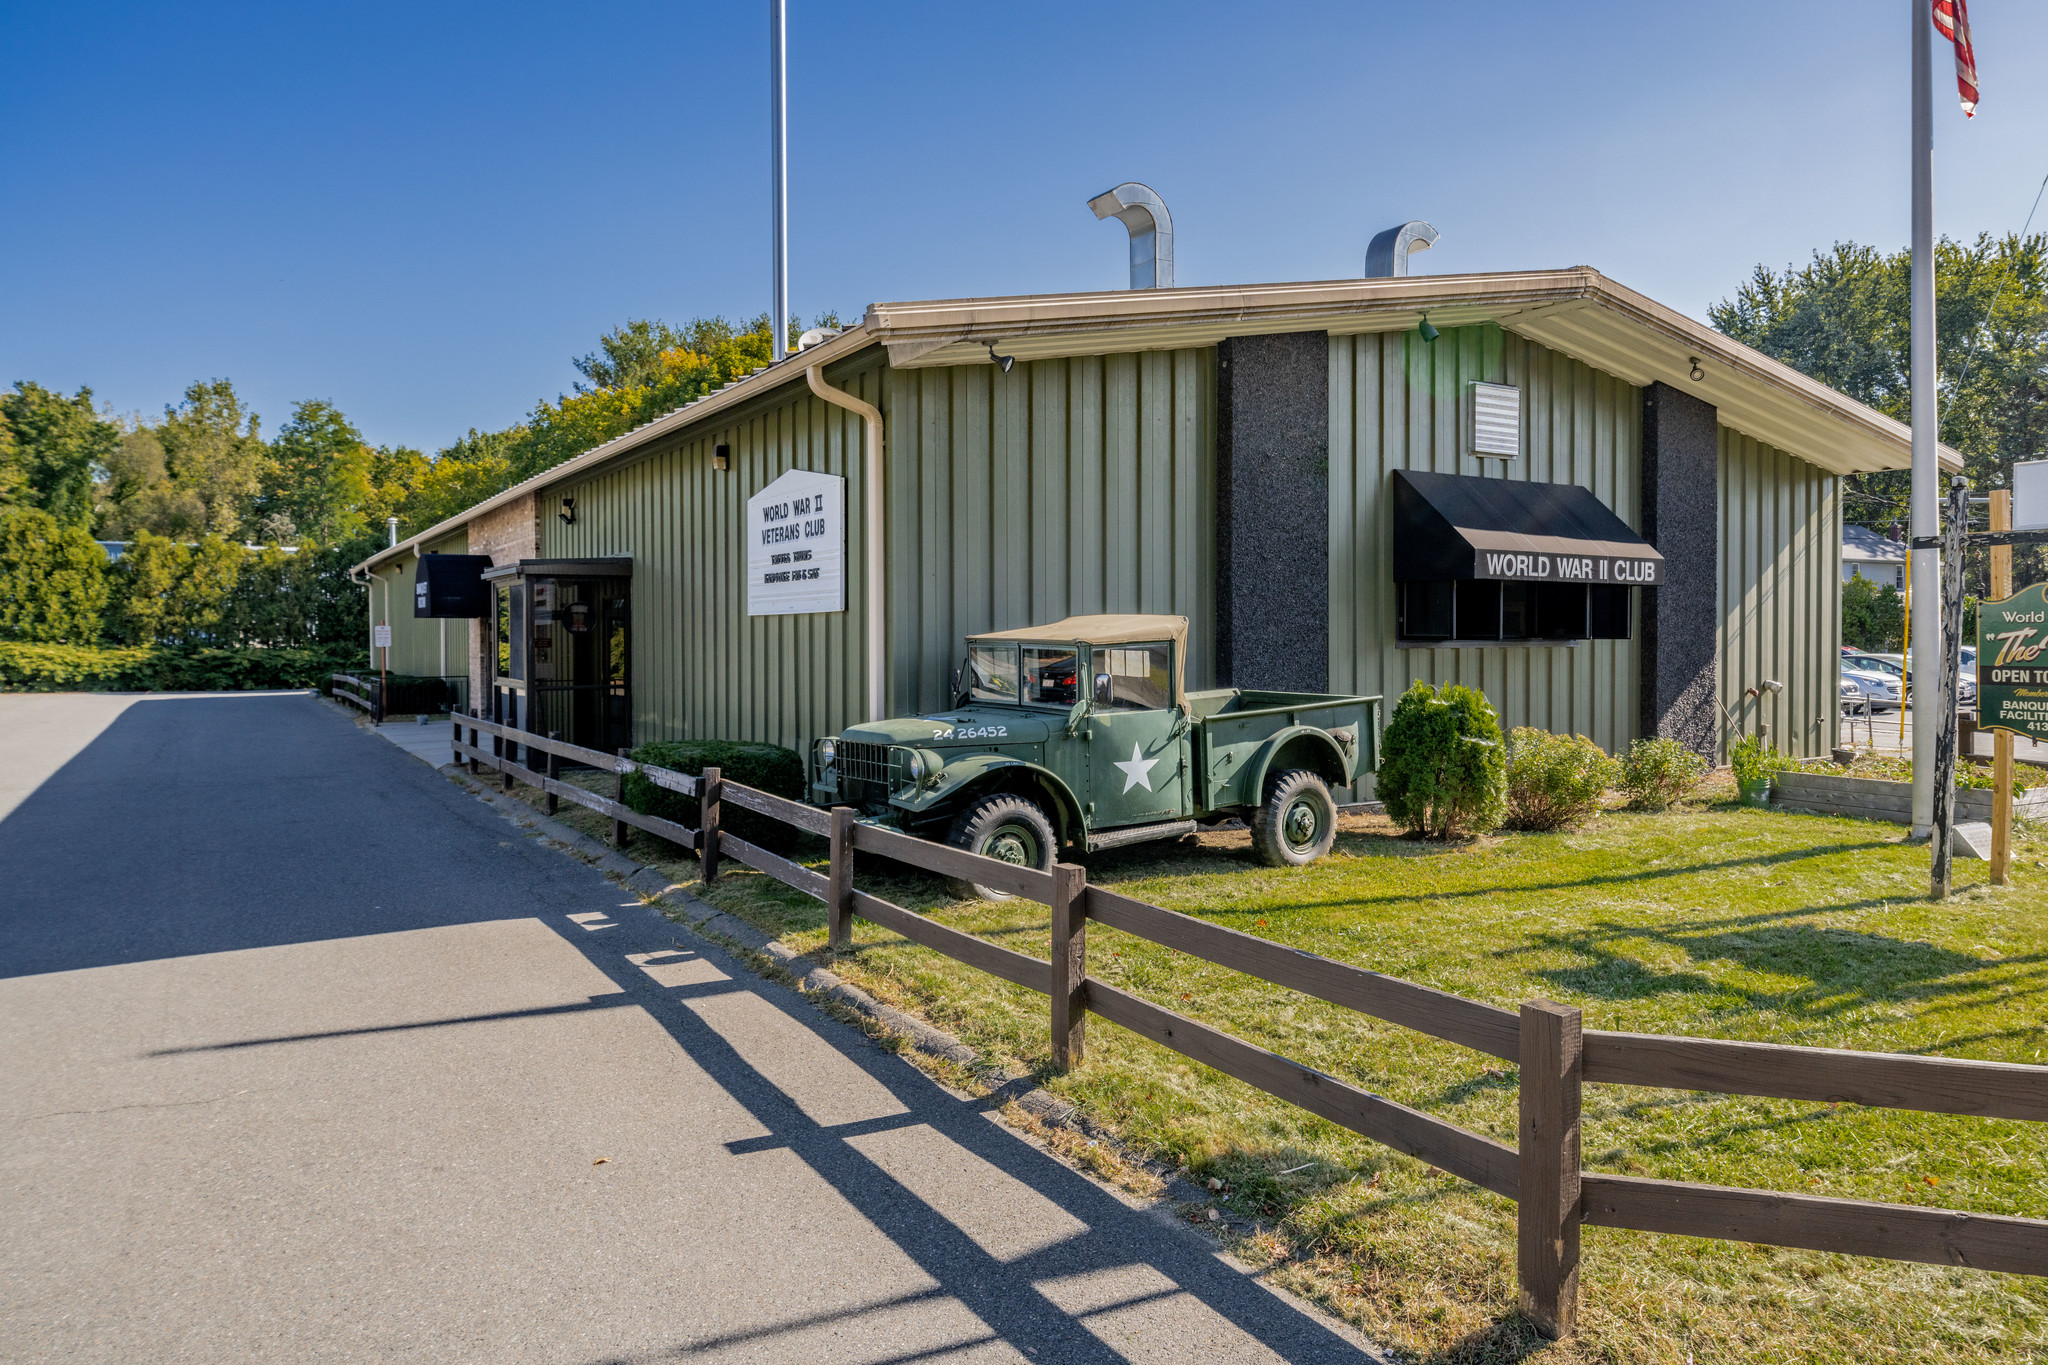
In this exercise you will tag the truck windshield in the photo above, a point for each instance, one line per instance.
(1051, 675)
(992, 672)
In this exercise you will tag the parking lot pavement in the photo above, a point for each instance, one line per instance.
(314, 1057)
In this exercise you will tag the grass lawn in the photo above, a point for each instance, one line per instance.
(1709, 920)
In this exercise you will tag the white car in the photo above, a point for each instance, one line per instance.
(1880, 689)
(1895, 666)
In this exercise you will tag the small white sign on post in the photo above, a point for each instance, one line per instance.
(796, 545)
(380, 635)
(2030, 496)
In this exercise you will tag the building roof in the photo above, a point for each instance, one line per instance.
(1577, 311)
(1865, 545)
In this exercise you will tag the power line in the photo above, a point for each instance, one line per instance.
(1998, 298)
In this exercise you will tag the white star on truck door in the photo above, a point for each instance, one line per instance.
(1138, 772)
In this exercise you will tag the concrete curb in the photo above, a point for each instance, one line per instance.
(1179, 1193)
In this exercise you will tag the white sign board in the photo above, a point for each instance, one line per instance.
(2030, 496)
(380, 635)
(796, 545)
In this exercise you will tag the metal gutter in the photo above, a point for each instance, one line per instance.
(742, 390)
(878, 564)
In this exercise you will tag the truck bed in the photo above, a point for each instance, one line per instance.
(1232, 726)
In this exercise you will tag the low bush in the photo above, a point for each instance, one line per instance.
(1556, 781)
(1656, 773)
(765, 767)
(1442, 769)
(97, 668)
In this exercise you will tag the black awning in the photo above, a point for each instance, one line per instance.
(1454, 526)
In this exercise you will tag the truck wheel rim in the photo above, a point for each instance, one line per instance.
(1301, 825)
(1013, 845)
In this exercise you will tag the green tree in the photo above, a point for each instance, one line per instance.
(1873, 617)
(147, 577)
(137, 493)
(1845, 319)
(55, 448)
(317, 483)
(53, 585)
(214, 452)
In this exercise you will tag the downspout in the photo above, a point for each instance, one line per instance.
(871, 485)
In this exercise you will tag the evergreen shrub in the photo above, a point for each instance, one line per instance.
(1556, 781)
(1658, 772)
(98, 668)
(764, 767)
(1442, 770)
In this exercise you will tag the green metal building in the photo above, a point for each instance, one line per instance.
(1226, 454)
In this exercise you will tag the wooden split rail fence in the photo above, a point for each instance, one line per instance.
(363, 692)
(1556, 1056)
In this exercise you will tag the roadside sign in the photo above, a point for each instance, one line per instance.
(2012, 663)
(380, 635)
(796, 545)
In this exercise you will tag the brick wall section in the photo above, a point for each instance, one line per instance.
(508, 534)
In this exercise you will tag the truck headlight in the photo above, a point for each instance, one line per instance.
(914, 767)
(826, 749)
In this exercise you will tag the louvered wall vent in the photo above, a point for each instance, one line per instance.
(1496, 420)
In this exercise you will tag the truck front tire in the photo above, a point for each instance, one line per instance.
(1298, 822)
(1006, 827)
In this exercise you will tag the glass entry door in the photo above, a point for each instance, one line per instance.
(581, 650)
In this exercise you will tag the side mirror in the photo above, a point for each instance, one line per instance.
(1075, 715)
(1105, 691)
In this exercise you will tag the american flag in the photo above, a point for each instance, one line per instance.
(1952, 17)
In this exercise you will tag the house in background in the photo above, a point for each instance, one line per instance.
(1868, 555)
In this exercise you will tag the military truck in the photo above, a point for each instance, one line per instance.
(1082, 734)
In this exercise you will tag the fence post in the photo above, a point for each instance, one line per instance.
(707, 824)
(840, 907)
(455, 718)
(1547, 1219)
(619, 795)
(554, 772)
(1069, 964)
(474, 766)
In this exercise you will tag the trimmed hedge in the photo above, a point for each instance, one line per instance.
(96, 668)
(765, 767)
(1441, 770)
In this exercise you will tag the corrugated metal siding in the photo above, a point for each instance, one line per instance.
(1397, 402)
(701, 668)
(1067, 486)
(416, 642)
(1781, 594)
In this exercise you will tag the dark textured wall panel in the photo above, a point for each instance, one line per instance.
(1273, 511)
(1681, 517)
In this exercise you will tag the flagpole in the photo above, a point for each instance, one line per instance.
(778, 66)
(1925, 643)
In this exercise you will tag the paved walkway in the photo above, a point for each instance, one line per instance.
(311, 1056)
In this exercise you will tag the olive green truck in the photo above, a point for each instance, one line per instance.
(1081, 734)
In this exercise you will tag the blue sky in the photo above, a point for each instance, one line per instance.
(421, 211)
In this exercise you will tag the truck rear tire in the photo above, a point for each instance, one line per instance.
(1006, 827)
(1298, 822)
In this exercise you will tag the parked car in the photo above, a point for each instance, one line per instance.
(1879, 688)
(1896, 666)
(1081, 733)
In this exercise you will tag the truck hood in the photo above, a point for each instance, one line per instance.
(975, 727)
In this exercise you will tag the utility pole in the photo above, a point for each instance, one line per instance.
(1925, 645)
(778, 68)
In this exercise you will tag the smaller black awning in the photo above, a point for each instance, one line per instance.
(1454, 526)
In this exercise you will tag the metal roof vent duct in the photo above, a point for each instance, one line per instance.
(1142, 211)
(1387, 254)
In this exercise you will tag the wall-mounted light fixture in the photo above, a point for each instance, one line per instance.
(568, 512)
(1003, 362)
(1429, 333)
(721, 457)
(1698, 373)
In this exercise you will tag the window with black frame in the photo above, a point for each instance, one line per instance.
(1450, 612)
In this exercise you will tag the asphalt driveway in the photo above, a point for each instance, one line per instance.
(309, 1055)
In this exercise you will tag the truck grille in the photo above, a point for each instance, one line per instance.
(863, 770)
